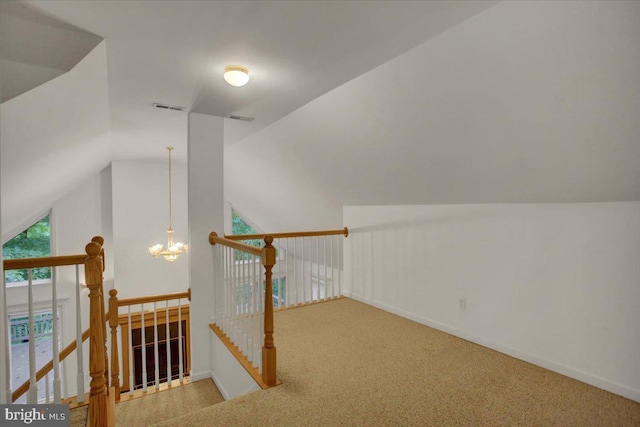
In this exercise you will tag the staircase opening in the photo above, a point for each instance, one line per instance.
(174, 342)
(179, 343)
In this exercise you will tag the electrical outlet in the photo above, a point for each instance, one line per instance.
(462, 303)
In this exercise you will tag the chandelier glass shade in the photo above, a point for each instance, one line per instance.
(174, 249)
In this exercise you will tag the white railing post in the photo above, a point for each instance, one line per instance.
(56, 343)
(144, 349)
(304, 296)
(180, 360)
(47, 392)
(295, 268)
(168, 338)
(324, 257)
(156, 356)
(131, 366)
(5, 345)
(79, 356)
(33, 386)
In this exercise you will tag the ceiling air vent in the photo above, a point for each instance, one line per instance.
(168, 107)
(243, 118)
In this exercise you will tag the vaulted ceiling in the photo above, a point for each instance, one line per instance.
(175, 51)
(377, 102)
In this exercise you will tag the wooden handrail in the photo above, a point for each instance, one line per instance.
(48, 367)
(51, 261)
(344, 231)
(213, 239)
(154, 298)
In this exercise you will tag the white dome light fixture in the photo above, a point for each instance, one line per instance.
(236, 75)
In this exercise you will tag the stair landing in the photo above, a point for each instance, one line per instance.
(157, 407)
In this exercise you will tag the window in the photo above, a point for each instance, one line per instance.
(240, 226)
(33, 242)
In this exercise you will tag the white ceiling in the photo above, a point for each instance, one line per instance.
(35, 48)
(175, 51)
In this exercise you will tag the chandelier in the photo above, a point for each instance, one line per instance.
(174, 249)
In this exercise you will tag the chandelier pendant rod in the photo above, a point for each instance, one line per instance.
(170, 224)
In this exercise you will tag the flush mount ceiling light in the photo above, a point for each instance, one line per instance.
(236, 75)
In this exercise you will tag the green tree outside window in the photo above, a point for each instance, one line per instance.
(34, 242)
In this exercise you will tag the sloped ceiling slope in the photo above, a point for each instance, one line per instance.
(52, 137)
(35, 48)
(525, 102)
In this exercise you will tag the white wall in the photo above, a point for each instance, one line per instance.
(206, 214)
(52, 138)
(76, 217)
(528, 101)
(557, 285)
(140, 219)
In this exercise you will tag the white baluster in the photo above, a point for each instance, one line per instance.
(279, 275)
(257, 347)
(144, 349)
(56, 342)
(131, 366)
(227, 287)
(295, 268)
(32, 398)
(310, 270)
(245, 309)
(80, 375)
(5, 345)
(318, 266)
(231, 313)
(331, 256)
(324, 258)
(286, 270)
(234, 291)
(223, 283)
(252, 314)
(340, 267)
(304, 296)
(47, 396)
(180, 360)
(258, 271)
(156, 355)
(167, 333)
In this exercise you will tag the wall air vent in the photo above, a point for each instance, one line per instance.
(168, 107)
(243, 118)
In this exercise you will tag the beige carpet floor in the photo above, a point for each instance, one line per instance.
(149, 410)
(346, 363)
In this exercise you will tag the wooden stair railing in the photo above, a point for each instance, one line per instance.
(99, 414)
(115, 320)
(319, 280)
(342, 232)
(93, 262)
(24, 387)
(267, 255)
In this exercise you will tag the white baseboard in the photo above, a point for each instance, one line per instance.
(585, 377)
(200, 376)
(222, 390)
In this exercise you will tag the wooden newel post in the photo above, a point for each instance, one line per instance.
(269, 349)
(113, 324)
(100, 240)
(93, 277)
